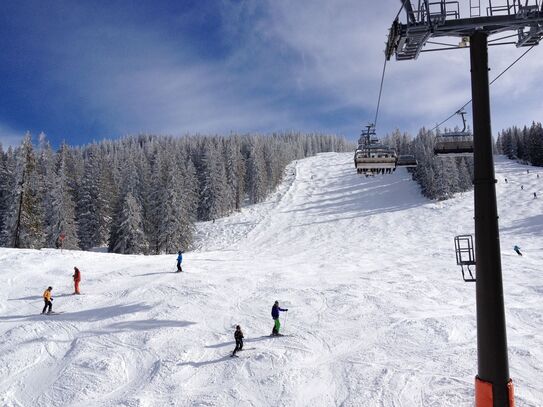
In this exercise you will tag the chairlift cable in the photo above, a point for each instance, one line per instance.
(380, 93)
(514, 62)
(493, 80)
(383, 75)
(503, 43)
(503, 38)
(441, 43)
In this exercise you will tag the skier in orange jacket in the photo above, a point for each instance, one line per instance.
(48, 300)
(77, 279)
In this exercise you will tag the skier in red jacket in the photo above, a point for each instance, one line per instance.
(77, 279)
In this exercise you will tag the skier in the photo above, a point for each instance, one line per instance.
(77, 279)
(48, 300)
(506, 180)
(517, 249)
(535, 195)
(522, 187)
(60, 241)
(179, 260)
(238, 336)
(275, 315)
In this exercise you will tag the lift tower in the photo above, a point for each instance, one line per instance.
(427, 19)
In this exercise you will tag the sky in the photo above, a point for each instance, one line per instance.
(86, 71)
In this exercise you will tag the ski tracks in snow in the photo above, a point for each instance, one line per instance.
(378, 313)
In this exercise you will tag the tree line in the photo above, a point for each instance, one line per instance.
(438, 177)
(524, 145)
(441, 177)
(139, 194)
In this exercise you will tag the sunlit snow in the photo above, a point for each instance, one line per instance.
(378, 312)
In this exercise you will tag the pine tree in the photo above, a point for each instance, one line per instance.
(213, 193)
(61, 216)
(127, 235)
(235, 172)
(23, 227)
(256, 174)
(127, 227)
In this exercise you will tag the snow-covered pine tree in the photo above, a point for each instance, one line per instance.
(46, 174)
(5, 187)
(88, 205)
(61, 214)
(127, 227)
(534, 144)
(213, 192)
(128, 236)
(23, 227)
(256, 173)
(235, 172)
(174, 226)
(465, 177)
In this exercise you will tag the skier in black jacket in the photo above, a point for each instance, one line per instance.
(238, 336)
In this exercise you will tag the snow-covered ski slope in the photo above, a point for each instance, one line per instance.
(378, 312)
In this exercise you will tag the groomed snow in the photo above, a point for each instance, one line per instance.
(378, 312)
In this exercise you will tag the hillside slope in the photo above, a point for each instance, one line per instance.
(378, 312)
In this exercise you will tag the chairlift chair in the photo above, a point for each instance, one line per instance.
(455, 143)
(371, 157)
(406, 160)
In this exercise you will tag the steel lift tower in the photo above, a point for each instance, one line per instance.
(493, 386)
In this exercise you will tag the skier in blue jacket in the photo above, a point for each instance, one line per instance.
(275, 315)
(179, 260)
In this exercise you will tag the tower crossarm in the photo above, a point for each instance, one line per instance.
(439, 19)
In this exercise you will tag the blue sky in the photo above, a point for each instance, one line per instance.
(88, 70)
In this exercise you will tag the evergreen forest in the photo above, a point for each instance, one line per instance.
(139, 194)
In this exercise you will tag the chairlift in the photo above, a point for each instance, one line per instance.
(465, 255)
(371, 157)
(455, 143)
(406, 160)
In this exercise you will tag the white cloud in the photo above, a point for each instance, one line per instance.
(10, 136)
(341, 54)
(288, 64)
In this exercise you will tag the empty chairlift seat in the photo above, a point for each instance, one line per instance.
(455, 143)
(407, 160)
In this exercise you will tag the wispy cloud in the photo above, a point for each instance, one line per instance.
(256, 65)
(10, 136)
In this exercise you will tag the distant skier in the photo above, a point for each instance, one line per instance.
(517, 249)
(77, 280)
(179, 261)
(506, 180)
(48, 300)
(535, 195)
(522, 187)
(60, 241)
(238, 336)
(275, 315)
